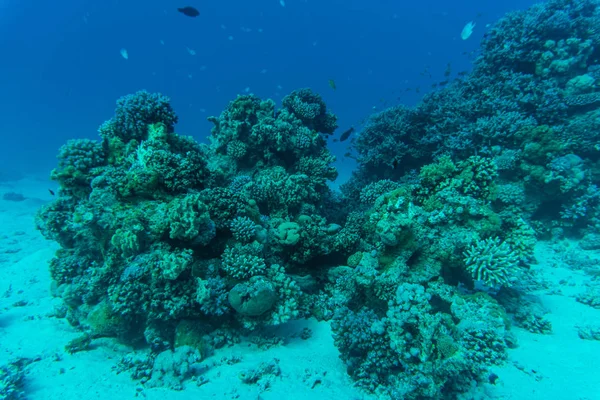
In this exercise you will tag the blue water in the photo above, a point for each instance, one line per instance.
(61, 70)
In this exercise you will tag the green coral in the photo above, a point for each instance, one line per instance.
(564, 57)
(522, 240)
(477, 175)
(79, 344)
(236, 149)
(372, 191)
(174, 262)
(243, 261)
(243, 229)
(281, 194)
(434, 173)
(225, 205)
(189, 219)
(310, 108)
(128, 241)
(193, 334)
(354, 259)
(288, 233)
(78, 159)
(104, 321)
(492, 261)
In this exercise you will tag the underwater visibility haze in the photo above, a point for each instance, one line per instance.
(292, 199)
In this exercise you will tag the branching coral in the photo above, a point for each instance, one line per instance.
(135, 112)
(492, 261)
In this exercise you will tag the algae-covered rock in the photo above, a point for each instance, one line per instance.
(191, 333)
(103, 321)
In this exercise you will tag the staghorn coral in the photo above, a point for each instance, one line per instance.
(492, 261)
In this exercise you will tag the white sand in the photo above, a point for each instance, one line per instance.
(556, 366)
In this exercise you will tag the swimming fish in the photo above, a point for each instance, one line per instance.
(51, 192)
(467, 30)
(346, 134)
(189, 11)
(332, 84)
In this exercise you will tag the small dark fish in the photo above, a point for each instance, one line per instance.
(434, 85)
(395, 164)
(418, 89)
(51, 192)
(189, 11)
(448, 70)
(332, 84)
(335, 140)
(443, 83)
(346, 134)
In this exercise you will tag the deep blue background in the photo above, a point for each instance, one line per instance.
(61, 71)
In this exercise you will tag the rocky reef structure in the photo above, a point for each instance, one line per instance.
(421, 263)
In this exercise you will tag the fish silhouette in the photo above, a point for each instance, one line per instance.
(189, 11)
(346, 134)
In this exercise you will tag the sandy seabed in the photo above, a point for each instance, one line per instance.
(556, 366)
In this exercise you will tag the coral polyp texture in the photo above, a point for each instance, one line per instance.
(417, 263)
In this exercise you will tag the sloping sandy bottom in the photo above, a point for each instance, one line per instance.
(555, 366)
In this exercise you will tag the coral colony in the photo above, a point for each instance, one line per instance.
(173, 244)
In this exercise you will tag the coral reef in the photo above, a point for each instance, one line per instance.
(421, 262)
(12, 379)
